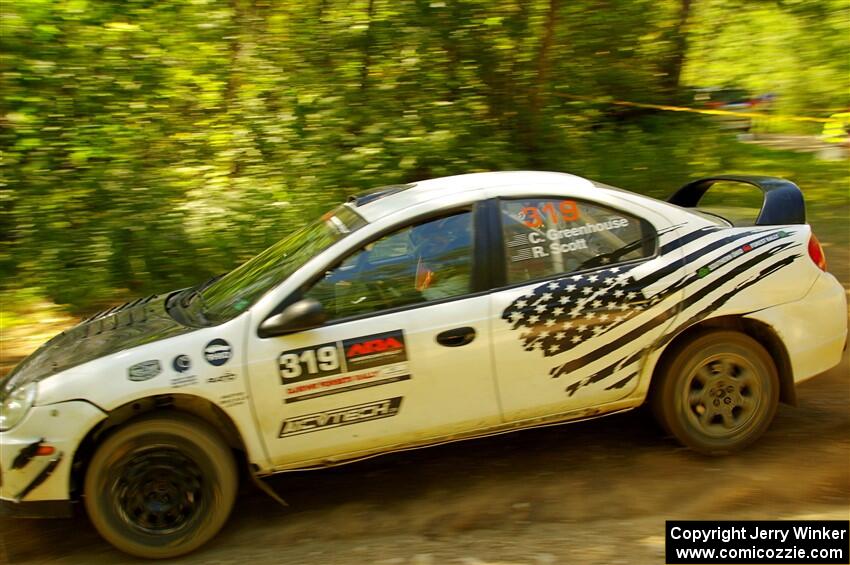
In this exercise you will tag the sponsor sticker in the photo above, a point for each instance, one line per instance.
(144, 371)
(217, 352)
(233, 399)
(738, 251)
(354, 381)
(225, 378)
(184, 380)
(339, 417)
(181, 363)
(351, 364)
(374, 350)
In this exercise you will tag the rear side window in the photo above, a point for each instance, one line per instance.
(545, 237)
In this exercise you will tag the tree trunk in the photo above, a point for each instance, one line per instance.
(533, 127)
(543, 58)
(673, 71)
(368, 40)
(234, 69)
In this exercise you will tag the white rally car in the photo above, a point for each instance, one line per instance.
(419, 314)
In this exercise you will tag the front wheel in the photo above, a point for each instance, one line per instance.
(717, 393)
(161, 486)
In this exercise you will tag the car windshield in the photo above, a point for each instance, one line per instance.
(236, 291)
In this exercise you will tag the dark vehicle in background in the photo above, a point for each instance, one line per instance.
(732, 99)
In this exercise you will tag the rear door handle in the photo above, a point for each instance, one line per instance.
(456, 337)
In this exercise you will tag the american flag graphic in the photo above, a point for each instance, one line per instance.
(560, 315)
(564, 313)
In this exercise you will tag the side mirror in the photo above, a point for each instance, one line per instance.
(305, 314)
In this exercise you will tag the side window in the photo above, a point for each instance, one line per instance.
(548, 236)
(426, 261)
(392, 246)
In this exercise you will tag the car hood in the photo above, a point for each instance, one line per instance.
(123, 327)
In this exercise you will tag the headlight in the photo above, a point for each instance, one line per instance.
(16, 405)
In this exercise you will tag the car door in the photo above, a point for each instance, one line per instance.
(586, 295)
(403, 357)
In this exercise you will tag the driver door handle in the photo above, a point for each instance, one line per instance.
(456, 337)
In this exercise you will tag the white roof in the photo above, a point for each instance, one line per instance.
(454, 186)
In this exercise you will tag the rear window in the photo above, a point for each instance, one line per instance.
(545, 237)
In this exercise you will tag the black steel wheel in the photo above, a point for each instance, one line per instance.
(717, 393)
(161, 486)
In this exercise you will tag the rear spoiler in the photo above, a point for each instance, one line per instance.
(783, 200)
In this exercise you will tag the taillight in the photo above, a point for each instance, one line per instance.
(816, 253)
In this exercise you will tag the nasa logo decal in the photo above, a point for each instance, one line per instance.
(182, 363)
(217, 352)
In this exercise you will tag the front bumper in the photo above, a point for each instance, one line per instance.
(28, 477)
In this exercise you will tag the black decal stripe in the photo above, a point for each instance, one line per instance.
(711, 284)
(769, 270)
(699, 254)
(694, 276)
(42, 476)
(622, 382)
(607, 371)
(717, 303)
(572, 388)
(638, 332)
(686, 239)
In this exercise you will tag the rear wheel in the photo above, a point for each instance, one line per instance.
(717, 393)
(161, 487)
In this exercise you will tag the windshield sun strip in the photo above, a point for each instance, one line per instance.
(339, 225)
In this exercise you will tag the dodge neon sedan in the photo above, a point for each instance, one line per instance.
(418, 314)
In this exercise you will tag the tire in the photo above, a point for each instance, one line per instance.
(161, 486)
(717, 393)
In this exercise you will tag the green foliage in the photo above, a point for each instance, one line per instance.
(148, 145)
(795, 49)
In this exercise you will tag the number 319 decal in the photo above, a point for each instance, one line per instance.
(309, 363)
(532, 216)
(359, 353)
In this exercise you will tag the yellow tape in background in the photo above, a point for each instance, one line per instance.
(698, 110)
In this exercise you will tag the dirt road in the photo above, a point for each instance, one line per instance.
(592, 492)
